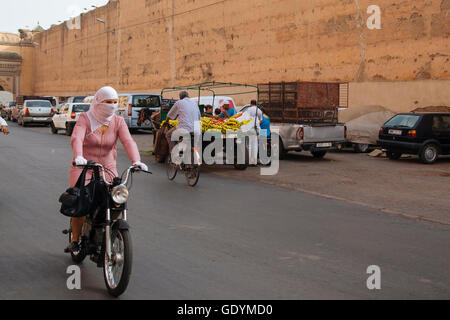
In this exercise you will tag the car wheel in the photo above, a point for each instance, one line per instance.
(361, 147)
(318, 154)
(393, 155)
(53, 128)
(429, 153)
(69, 129)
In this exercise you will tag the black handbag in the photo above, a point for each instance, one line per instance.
(78, 201)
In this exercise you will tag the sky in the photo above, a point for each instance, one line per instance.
(25, 14)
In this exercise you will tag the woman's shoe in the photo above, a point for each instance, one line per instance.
(73, 247)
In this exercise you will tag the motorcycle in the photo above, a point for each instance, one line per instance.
(105, 235)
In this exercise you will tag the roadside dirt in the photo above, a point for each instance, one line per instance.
(405, 187)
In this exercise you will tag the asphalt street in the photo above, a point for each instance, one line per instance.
(224, 239)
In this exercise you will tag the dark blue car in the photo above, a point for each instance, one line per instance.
(424, 134)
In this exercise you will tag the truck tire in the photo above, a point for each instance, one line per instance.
(318, 154)
(393, 155)
(429, 153)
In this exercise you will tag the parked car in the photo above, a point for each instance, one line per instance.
(67, 117)
(363, 127)
(78, 99)
(6, 111)
(14, 112)
(34, 111)
(88, 99)
(424, 134)
(130, 105)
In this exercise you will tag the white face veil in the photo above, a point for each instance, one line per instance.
(100, 114)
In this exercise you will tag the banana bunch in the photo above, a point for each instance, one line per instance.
(221, 125)
(172, 123)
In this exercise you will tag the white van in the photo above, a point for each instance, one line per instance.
(130, 104)
(215, 101)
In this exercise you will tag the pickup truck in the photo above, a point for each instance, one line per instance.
(306, 115)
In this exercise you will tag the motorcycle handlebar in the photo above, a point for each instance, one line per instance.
(91, 164)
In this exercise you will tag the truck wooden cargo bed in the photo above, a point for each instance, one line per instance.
(303, 102)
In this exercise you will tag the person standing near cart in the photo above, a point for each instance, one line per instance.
(256, 114)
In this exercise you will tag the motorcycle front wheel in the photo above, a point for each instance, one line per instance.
(117, 271)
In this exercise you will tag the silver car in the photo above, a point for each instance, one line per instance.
(35, 111)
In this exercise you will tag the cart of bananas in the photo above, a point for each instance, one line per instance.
(215, 124)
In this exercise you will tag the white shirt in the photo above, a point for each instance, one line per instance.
(251, 111)
(3, 122)
(188, 113)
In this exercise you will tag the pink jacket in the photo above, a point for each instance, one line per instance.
(101, 148)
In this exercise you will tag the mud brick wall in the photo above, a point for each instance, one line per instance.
(158, 43)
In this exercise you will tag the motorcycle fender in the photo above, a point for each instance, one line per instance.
(121, 225)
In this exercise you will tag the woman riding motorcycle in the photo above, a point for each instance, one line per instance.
(95, 138)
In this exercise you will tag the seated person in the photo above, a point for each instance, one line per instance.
(208, 111)
(217, 113)
(228, 111)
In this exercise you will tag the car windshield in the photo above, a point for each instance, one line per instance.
(146, 101)
(403, 120)
(80, 107)
(39, 104)
(78, 99)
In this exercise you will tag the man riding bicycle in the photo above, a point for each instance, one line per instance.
(187, 113)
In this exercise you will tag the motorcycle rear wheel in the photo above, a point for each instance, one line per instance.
(117, 272)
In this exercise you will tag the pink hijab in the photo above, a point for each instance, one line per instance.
(100, 114)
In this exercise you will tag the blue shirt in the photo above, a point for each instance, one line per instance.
(230, 113)
(265, 124)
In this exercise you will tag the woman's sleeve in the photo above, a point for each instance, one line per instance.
(78, 135)
(128, 142)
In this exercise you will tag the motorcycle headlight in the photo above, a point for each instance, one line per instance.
(119, 194)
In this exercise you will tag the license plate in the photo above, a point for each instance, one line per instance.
(396, 132)
(40, 119)
(324, 145)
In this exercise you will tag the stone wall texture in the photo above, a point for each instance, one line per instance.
(150, 44)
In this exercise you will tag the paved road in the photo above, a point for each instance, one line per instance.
(225, 239)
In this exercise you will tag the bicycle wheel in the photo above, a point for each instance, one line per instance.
(171, 168)
(192, 175)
